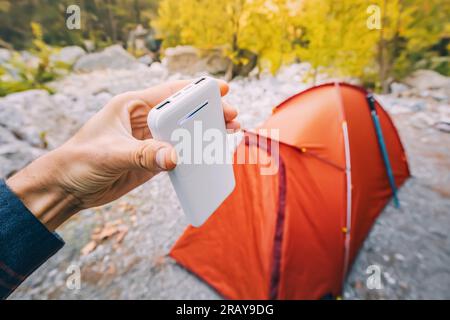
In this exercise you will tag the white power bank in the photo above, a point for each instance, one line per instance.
(192, 121)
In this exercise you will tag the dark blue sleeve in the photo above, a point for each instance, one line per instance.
(25, 243)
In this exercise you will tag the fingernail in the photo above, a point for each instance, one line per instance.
(161, 158)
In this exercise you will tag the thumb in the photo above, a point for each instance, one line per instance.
(152, 155)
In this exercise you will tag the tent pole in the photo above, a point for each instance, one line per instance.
(383, 149)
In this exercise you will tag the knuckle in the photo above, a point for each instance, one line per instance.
(144, 157)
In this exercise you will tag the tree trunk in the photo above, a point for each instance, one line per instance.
(229, 72)
(137, 11)
(111, 22)
(382, 63)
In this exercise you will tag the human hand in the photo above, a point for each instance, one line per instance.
(110, 155)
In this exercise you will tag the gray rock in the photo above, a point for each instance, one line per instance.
(6, 136)
(443, 112)
(158, 70)
(399, 257)
(439, 95)
(428, 80)
(114, 57)
(14, 118)
(397, 88)
(422, 120)
(189, 60)
(294, 73)
(400, 109)
(216, 63)
(69, 55)
(33, 117)
(181, 58)
(443, 126)
(146, 60)
(14, 154)
(396, 105)
(417, 105)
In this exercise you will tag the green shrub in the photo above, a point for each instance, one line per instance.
(20, 75)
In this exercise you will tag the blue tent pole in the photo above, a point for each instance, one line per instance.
(383, 149)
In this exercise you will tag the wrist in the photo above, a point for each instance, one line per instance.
(38, 188)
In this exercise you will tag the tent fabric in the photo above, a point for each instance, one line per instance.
(294, 234)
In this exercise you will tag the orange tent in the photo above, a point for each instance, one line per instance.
(294, 234)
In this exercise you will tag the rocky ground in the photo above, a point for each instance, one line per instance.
(121, 248)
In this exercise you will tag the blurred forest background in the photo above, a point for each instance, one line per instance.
(341, 38)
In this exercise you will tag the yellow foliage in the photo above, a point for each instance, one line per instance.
(233, 25)
(410, 28)
(334, 36)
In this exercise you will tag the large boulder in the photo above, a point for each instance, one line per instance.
(114, 57)
(34, 118)
(425, 80)
(189, 60)
(14, 153)
(69, 55)
(215, 62)
(146, 60)
(398, 88)
(181, 59)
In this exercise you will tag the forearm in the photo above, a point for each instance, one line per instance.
(39, 190)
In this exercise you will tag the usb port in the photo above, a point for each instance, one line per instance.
(162, 105)
(198, 81)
